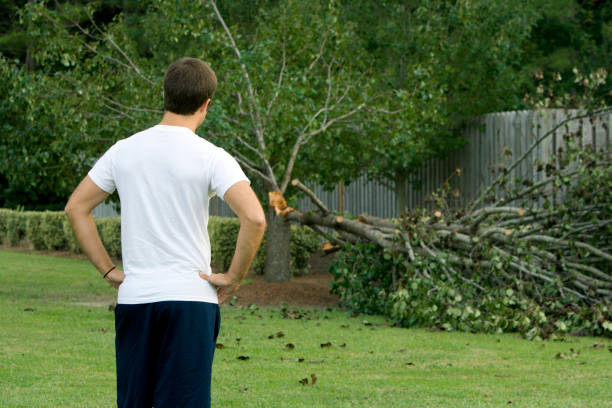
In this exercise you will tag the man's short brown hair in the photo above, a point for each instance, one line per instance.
(188, 83)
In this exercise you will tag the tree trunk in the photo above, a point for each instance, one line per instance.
(278, 256)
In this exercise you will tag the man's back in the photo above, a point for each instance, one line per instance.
(167, 316)
(164, 177)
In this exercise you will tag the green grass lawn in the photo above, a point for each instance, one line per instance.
(56, 350)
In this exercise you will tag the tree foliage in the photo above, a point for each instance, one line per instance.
(432, 64)
(445, 62)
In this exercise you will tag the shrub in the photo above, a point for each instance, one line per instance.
(16, 227)
(304, 242)
(52, 230)
(33, 232)
(110, 234)
(71, 241)
(223, 232)
(4, 216)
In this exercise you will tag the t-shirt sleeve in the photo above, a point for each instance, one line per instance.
(102, 172)
(225, 173)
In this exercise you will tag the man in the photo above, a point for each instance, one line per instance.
(167, 314)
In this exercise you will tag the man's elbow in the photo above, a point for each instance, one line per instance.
(69, 209)
(72, 209)
(259, 221)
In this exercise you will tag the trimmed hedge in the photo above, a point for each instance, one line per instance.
(33, 234)
(110, 234)
(16, 227)
(223, 232)
(51, 230)
(3, 220)
(71, 242)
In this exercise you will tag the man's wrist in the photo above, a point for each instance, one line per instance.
(235, 278)
(112, 268)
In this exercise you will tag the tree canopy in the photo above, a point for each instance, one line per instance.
(82, 76)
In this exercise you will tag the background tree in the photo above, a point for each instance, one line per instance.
(446, 62)
(282, 87)
(569, 37)
(439, 53)
(299, 80)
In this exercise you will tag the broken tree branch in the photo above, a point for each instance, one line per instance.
(311, 195)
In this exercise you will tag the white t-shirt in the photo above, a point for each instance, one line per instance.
(165, 176)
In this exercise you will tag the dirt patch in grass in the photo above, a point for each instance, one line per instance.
(98, 303)
(310, 290)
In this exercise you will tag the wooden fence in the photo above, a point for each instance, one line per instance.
(492, 141)
(496, 140)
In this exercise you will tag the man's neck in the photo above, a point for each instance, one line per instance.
(173, 119)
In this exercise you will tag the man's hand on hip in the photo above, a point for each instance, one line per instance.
(115, 278)
(226, 285)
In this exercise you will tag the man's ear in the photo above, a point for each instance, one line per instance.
(205, 105)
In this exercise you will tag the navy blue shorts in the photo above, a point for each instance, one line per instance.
(164, 353)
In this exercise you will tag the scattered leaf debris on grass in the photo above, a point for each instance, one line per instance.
(219, 346)
(289, 346)
(313, 380)
(100, 330)
(277, 335)
(328, 344)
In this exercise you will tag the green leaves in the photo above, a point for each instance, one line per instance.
(362, 279)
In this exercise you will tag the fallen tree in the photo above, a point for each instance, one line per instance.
(546, 238)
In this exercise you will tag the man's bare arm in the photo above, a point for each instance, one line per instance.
(243, 201)
(83, 200)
